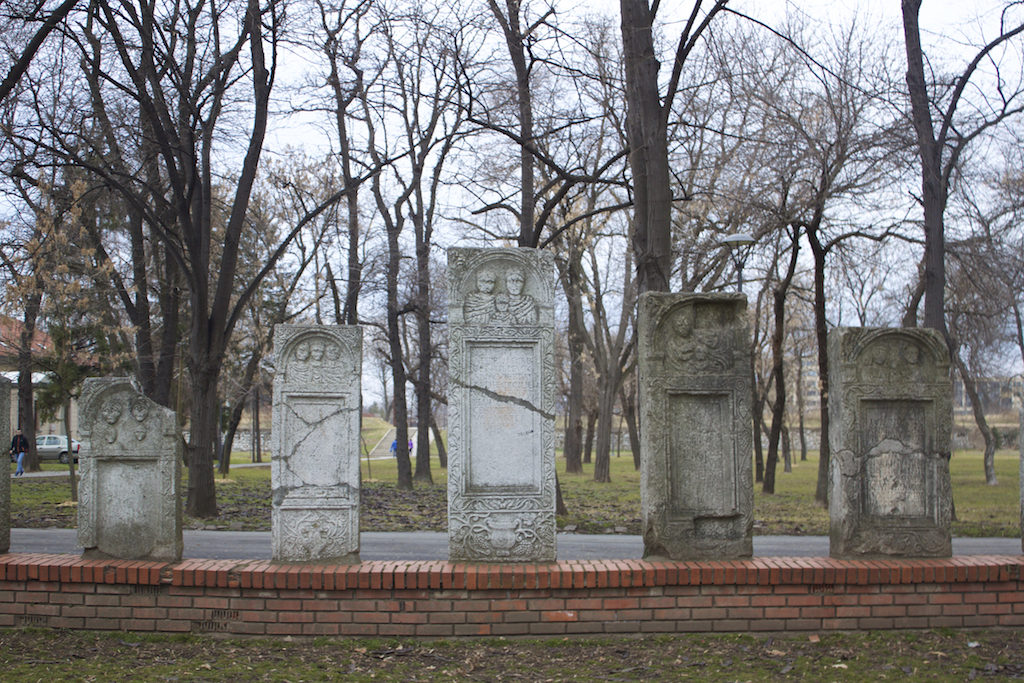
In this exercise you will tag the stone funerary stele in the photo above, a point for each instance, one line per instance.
(890, 418)
(501, 399)
(128, 502)
(314, 467)
(694, 369)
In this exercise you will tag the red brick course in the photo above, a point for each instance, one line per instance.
(442, 599)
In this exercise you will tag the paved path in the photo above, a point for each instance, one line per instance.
(428, 545)
(382, 451)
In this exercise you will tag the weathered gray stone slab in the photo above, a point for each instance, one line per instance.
(890, 420)
(695, 442)
(128, 502)
(314, 465)
(501, 399)
(5, 480)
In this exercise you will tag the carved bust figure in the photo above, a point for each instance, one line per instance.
(522, 309)
(508, 307)
(479, 306)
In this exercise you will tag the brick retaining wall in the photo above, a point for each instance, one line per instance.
(440, 599)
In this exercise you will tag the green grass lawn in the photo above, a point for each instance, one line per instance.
(244, 499)
(981, 510)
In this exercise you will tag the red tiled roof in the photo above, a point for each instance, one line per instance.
(10, 338)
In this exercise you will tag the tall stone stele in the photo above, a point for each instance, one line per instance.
(5, 481)
(501, 400)
(314, 467)
(128, 496)
(695, 442)
(890, 422)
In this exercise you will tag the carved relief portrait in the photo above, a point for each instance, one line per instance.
(316, 359)
(504, 304)
(111, 413)
(893, 358)
(696, 342)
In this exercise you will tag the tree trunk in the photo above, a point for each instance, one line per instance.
(757, 408)
(800, 407)
(170, 307)
(248, 378)
(821, 336)
(778, 368)
(787, 451)
(139, 312)
(756, 397)
(602, 455)
(573, 445)
(588, 442)
(201, 499)
(72, 479)
(515, 41)
(648, 149)
(219, 454)
(355, 266)
(971, 388)
(424, 421)
(442, 452)
(560, 508)
(229, 437)
(424, 411)
(26, 398)
(933, 188)
(398, 379)
(628, 401)
(257, 450)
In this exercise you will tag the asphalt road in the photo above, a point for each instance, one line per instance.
(426, 545)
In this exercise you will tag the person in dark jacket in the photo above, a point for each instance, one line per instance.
(19, 446)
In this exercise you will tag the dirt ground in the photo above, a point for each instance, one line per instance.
(34, 655)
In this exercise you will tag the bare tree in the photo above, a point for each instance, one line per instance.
(778, 406)
(160, 89)
(843, 137)
(946, 119)
(648, 114)
(47, 21)
(419, 95)
(287, 192)
(338, 37)
(613, 348)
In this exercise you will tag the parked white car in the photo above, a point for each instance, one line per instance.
(55, 447)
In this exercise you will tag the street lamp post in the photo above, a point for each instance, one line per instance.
(739, 244)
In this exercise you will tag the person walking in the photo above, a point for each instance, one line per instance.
(19, 446)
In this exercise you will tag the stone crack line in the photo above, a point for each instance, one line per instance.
(504, 398)
(311, 424)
